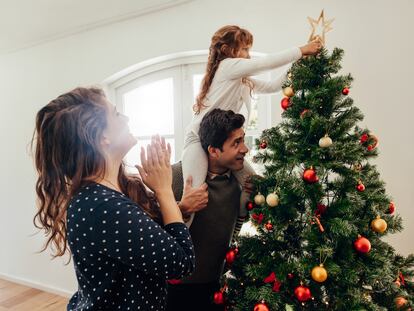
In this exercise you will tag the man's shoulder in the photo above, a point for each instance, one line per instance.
(177, 180)
(177, 168)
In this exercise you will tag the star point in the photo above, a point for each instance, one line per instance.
(320, 23)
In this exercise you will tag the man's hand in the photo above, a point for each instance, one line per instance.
(194, 199)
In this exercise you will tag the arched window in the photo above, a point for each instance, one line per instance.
(157, 96)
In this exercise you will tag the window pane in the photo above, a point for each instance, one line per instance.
(150, 108)
(253, 122)
(196, 84)
(249, 140)
(133, 157)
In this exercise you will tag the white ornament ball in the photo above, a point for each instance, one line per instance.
(259, 199)
(325, 141)
(272, 199)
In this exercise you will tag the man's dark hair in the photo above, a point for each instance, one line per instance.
(217, 125)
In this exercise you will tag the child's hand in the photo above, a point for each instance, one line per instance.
(311, 48)
(248, 186)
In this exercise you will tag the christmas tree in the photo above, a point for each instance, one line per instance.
(320, 209)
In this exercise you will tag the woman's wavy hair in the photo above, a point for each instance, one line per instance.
(67, 154)
(225, 43)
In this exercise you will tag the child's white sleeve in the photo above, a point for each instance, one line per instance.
(270, 86)
(236, 68)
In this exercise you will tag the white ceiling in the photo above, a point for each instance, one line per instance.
(25, 23)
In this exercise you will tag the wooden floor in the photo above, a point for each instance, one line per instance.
(18, 297)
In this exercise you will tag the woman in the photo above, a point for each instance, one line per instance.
(88, 203)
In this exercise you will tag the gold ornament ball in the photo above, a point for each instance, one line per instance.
(288, 91)
(272, 199)
(319, 274)
(357, 167)
(259, 199)
(325, 141)
(379, 225)
(400, 302)
(367, 297)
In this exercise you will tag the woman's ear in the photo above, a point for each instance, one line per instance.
(105, 141)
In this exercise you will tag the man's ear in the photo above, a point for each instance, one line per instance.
(214, 152)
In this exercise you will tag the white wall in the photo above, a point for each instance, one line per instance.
(374, 33)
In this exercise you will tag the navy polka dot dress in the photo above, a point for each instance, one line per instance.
(122, 258)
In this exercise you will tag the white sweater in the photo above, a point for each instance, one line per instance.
(227, 91)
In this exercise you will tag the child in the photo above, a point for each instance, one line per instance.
(227, 85)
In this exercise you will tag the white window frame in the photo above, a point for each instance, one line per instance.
(183, 65)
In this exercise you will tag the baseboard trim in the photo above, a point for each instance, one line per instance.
(43, 287)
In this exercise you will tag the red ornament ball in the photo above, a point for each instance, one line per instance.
(269, 226)
(360, 187)
(218, 298)
(263, 145)
(309, 175)
(362, 245)
(290, 276)
(261, 307)
(249, 205)
(345, 91)
(320, 209)
(174, 281)
(285, 103)
(364, 138)
(230, 256)
(391, 208)
(302, 293)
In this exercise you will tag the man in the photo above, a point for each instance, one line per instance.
(222, 138)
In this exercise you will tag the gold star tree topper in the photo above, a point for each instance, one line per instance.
(319, 28)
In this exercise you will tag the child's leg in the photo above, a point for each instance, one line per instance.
(194, 163)
(241, 177)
